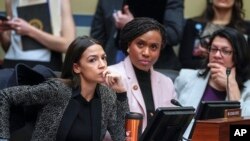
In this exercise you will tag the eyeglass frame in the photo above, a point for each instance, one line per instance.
(223, 52)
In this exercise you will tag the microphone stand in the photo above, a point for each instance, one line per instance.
(228, 71)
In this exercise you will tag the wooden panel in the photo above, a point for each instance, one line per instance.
(216, 129)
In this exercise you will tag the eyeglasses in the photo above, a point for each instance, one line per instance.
(223, 52)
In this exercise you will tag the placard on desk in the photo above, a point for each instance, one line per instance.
(217, 129)
(229, 113)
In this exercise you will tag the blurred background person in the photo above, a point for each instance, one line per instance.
(217, 15)
(111, 16)
(83, 104)
(228, 51)
(54, 44)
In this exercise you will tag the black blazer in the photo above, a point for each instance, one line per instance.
(187, 44)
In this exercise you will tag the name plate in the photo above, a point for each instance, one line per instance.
(228, 113)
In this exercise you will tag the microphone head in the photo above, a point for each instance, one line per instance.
(228, 71)
(176, 103)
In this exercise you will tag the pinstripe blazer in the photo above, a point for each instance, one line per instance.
(55, 118)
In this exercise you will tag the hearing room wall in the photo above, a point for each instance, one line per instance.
(83, 11)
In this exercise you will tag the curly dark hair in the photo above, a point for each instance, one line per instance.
(136, 28)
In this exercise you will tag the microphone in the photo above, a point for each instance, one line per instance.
(176, 103)
(228, 71)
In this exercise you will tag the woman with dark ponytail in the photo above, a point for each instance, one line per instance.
(83, 104)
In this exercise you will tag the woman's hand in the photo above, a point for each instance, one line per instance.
(200, 51)
(114, 81)
(121, 18)
(21, 26)
(218, 75)
(4, 26)
(219, 80)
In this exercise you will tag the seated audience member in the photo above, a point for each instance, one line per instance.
(83, 104)
(142, 39)
(109, 19)
(224, 76)
(217, 15)
(52, 45)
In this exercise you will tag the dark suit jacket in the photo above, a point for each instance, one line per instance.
(187, 45)
(55, 118)
(103, 29)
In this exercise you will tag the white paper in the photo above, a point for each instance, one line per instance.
(31, 2)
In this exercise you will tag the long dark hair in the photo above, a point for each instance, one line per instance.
(240, 54)
(73, 55)
(237, 19)
(136, 28)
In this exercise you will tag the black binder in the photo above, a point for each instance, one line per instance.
(37, 15)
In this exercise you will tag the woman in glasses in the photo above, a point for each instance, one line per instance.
(217, 15)
(224, 76)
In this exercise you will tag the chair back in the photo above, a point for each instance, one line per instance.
(170, 73)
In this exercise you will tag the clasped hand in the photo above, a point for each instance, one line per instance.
(114, 81)
(219, 76)
(21, 26)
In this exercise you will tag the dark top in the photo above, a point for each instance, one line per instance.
(81, 129)
(212, 94)
(144, 81)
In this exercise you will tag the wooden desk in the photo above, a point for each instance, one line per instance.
(216, 129)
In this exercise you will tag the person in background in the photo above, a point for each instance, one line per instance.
(217, 14)
(111, 16)
(83, 104)
(53, 44)
(224, 76)
(142, 40)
